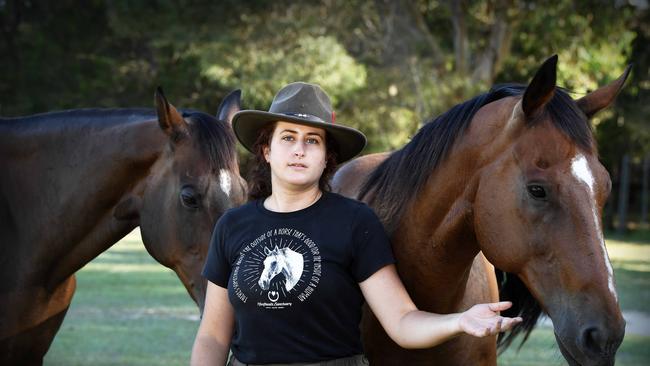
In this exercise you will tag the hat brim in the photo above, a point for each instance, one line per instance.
(247, 124)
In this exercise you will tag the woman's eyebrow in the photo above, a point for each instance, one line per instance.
(319, 134)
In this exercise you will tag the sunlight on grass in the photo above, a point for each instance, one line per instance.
(633, 257)
(111, 267)
(631, 263)
(627, 251)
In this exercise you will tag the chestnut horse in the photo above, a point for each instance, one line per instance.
(74, 182)
(512, 176)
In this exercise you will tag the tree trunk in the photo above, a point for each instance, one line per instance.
(405, 30)
(608, 215)
(498, 47)
(623, 194)
(461, 50)
(644, 190)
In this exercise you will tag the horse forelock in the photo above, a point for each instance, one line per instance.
(215, 139)
(567, 117)
(412, 165)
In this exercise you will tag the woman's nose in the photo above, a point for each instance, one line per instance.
(299, 150)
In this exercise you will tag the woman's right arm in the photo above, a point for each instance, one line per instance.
(212, 342)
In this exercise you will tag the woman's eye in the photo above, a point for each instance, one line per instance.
(312, 141)
(537, 191)
(287, 138)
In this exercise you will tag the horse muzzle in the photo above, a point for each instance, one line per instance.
(594, 343)
(264, 285)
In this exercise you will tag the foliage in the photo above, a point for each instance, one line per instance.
(388, 65)
(261, 70)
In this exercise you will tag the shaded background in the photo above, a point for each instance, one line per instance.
(389, 65)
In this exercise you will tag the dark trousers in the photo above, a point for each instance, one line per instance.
(358, 360)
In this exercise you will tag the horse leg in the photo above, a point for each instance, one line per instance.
(30, 345)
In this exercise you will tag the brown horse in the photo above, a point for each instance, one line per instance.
(73, 183)
(512, 176)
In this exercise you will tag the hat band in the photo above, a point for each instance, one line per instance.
(305, 116)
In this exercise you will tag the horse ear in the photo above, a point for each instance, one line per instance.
(541, 88)
(168, 117)
(267, 251)
(600, 98)
(230, 105)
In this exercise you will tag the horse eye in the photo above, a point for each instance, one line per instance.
(189, 198)
(537, 191)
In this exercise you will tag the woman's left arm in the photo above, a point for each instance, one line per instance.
(412, 328)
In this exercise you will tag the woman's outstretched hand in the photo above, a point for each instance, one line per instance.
(483, 319)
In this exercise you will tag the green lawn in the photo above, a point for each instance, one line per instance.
(129, 310)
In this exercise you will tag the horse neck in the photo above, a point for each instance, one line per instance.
(72, 167)
(434, 243)
(435, 250)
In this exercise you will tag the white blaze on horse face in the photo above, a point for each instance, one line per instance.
(580, 170)
(225, 181)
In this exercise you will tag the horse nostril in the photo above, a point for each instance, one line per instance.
(594, 340)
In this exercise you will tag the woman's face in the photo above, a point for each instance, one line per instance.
(297, 155)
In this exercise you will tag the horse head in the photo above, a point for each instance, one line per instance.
(537, 215)
(285, 261)
(194, 180)
(274, 263)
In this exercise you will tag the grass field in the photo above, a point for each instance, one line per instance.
(129, 310)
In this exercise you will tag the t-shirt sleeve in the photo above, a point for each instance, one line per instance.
(372, 250)
(217, 265)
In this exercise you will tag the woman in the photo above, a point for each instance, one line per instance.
(289, 271)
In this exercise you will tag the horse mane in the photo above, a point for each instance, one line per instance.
(513, 289)
(412, 165)
(215, 139)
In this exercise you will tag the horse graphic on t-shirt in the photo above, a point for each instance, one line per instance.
(284, 261)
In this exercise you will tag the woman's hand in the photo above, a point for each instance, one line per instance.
(412, 328)
(483, 319)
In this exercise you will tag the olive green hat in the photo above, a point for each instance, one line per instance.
(305, 104)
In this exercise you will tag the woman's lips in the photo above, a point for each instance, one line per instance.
(298, 166)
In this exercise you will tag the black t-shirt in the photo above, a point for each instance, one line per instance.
(293, 277)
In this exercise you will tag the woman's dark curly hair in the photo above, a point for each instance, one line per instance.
(259, 182)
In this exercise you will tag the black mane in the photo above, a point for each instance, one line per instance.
(215, 139)
(412, 165)
(399, 179)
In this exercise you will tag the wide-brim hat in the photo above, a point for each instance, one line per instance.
(305, 104)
